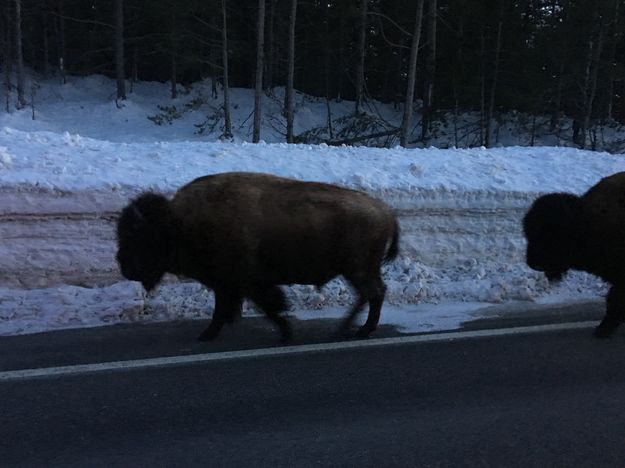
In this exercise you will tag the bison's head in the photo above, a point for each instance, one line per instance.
(144, 239)
(551, 228)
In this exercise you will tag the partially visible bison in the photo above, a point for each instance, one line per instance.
(244, 234)
(565, 231)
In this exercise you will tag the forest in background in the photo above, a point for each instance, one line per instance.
(558, 58)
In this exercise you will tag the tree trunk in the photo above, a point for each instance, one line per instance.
(327, 73)
(341, 52)
(258, 93)
(613, 59)
(134, 74)
(288, 101)
(173, 79)
(119, 50)
(21, 77)
(8, 57)
(459, 67)
(557, 108)
(173, 44)
(397, 73)
(493, 85)
(269, 63)
(412, 75)
(555, 125)
(482, 82)
(430, 70)
(62, 44)
(594, 54)
(46, 47)
(360, 68)
(213, 53)
(33, 92)
(224, 59)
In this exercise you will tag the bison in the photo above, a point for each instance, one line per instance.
(245, 234)
(566, 231)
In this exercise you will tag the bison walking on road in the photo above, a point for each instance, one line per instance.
(566, 231)
(244, 234)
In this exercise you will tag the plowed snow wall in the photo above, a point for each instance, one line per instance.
(48, 238)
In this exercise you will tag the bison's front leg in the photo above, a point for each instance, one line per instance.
(615, 312)
(235, 312)
(227, 307)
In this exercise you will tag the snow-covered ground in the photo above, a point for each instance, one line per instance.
(65, 176)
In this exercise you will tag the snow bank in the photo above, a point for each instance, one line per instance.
(69, 162)
(460, 212)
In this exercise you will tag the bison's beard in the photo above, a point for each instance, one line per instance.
(150, 282)
(554, 276)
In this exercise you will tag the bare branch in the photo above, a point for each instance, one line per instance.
(84, 21)
(403, 31)
(392, 44)
(210, 26)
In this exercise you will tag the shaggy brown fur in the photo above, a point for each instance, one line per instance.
(244, 234)
(587, 233)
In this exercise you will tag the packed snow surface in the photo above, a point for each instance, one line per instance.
(460, 213)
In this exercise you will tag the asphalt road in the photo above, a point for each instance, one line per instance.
(150, 339)
(540, 399)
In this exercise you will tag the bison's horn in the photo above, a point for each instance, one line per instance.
(139, 218)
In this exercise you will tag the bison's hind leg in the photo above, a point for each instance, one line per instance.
(376, 298)
(615, 312)
(370, 289)
(272, 302)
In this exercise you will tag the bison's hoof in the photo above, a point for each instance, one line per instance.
(208, 335)
(233, 318)
(286, 336)
(363, 332)
(607, 327)
(343, 333)
(602, 331)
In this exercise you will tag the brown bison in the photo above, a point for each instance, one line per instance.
(244, 234)
(565, 231)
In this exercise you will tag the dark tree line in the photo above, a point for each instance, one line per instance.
(564, 59)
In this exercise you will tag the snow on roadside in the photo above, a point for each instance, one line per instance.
(460, 212)
(46, 160)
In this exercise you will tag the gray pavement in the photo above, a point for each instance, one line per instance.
(544, 399)
(528, 313)
(146, 340)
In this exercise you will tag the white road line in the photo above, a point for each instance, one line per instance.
(24, 374)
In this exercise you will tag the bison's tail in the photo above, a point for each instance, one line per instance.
(393, 249)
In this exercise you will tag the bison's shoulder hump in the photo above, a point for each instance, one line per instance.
(608, 190)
